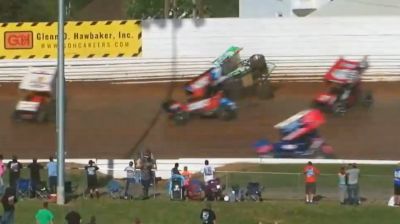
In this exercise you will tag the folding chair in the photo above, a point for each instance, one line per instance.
(42, 192)
(114, 189)
(23, 188)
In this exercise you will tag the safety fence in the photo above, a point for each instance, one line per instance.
(285, 186)
(274, 185)
(151, 70)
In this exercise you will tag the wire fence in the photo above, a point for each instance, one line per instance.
(280, 185)
(276, 185)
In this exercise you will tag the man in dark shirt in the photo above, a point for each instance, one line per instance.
(34, 169)
(175, 170)
(91, 171)
(73, 217)
(14, 171)
(8, 201)
(207, 215)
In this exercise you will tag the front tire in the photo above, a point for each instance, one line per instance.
(181, 118)
(264, 91)
(339, 108)
(367, 99)
(226, 114)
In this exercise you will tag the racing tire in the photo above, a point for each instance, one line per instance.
(367, 99)
(42, 116)
(226, 114)
(181, 118)
(264, 91)
(233, 88)
(15, 117)
(339, 108)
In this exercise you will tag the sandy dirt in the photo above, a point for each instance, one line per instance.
(106, 120)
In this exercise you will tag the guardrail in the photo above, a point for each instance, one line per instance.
(139, 70)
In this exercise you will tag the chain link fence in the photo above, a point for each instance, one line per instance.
(286, 186)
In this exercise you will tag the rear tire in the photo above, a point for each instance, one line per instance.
(226, 114)
(41, 116)
(264, 91)
(181, 118)
(233, 88)
(339, 108)
(367, 99)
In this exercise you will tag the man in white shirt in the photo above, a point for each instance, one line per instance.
(208, 172)
(130, 178)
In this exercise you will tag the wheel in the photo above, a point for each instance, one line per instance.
(264, 90)
(181, 118)
(339, 108)
(233, 88)
(367, 99)
(41, 116)
(226, 114)
(15, 116)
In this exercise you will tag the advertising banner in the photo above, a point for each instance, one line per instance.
(89, 39)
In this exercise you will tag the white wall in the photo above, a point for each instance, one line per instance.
(302, 48)
(284, 36)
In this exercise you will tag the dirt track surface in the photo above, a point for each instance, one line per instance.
(106, 120)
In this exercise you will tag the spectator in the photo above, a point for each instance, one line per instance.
(52, 174)
(187, 175)
(207, 215)
(15, 171)
(137, 221)
(92, 220)
(175, 170)
(397, 185)
(8, 200)
(3, 169)
(208, 172)
(342, 185)
(34, 169)
(353, 174)
(44, 215)
(130, 178)
(147, 177)
(73, 217)
(91, 172)
(310, 173)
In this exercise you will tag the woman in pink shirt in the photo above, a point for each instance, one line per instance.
(2, 171)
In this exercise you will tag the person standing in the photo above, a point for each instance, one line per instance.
(44, 215)
(15, 171)
(34, 169)
(397, 185)
(91, 173)
(3, 169)
(175, 170)
(8, 201)
(146, 175)
(208, 172)
(187, 175)
(353, 174)
(130, 178)
(207, 215)
(52, 174)
(73, 217)
(342, 185)
(310, 173)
